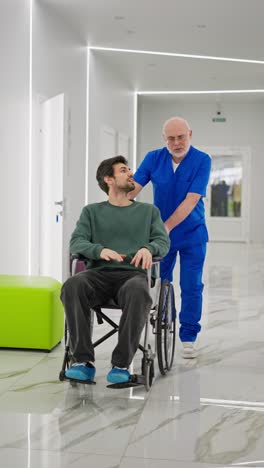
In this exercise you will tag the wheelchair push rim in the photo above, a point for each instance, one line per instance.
(166, 327)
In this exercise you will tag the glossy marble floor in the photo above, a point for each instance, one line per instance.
(207, 412)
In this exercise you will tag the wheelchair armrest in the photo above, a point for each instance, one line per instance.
(153, 273)
(79, 257)
(78, 262)
(156, 259)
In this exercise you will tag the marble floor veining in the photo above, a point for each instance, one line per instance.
(207, 412)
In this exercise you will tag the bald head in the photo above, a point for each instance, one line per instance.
(177, 133)
(175, 122)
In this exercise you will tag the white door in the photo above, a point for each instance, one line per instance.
(123, 145)
(107, 150)
(227, 200)
(51, 191)
(107, 143)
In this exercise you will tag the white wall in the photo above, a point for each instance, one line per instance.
(14, 135)
(243, 127)
(59, 66)
(111, 105)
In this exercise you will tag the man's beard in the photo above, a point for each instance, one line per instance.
(128, 187)
(178, 154)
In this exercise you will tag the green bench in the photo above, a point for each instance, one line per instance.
(31, 313)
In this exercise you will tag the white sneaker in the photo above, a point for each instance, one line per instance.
(189, 350)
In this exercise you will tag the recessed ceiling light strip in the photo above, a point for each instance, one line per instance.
(30, 142)
(172, 54)
(134, 165)
(216, 91)
(87, 125)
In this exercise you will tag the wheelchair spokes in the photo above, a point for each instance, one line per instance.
(165, 328)
(170, 331)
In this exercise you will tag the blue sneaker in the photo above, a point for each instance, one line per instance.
(85, 372)
(116, 375)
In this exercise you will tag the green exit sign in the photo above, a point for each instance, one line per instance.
(219, 119)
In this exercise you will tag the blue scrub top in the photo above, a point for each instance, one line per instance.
(170, 189)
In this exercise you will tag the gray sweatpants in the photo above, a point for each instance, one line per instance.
(92, 288)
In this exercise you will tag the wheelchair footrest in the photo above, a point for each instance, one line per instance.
(134, 381)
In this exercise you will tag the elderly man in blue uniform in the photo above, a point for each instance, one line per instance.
(179, 174)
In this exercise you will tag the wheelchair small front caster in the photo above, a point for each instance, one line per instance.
(148, 372)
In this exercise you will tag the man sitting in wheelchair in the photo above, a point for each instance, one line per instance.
(119, 237)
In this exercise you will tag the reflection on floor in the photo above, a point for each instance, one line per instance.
(207, 412)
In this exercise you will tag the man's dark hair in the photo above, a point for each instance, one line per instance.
(106, 168)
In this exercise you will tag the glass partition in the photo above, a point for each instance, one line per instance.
(226, 186)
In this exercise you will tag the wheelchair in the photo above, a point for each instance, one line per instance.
(162, 320)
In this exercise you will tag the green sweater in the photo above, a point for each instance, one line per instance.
(123, 229)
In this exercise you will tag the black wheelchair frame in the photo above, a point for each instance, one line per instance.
(162, 318)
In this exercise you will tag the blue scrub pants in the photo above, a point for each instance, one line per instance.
(191, 269)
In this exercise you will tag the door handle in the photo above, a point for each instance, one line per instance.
(58, 203)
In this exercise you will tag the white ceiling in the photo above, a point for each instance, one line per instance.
(148, 72)
(222, 28)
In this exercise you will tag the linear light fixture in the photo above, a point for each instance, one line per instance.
(135, 132)
(173, 54)
(30, 142)
(215, 91)
(87, 122)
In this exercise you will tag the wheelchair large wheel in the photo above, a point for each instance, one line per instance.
(166, 327)
(65, 333)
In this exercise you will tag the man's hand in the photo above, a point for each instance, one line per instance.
(108, 254)
(144, 257)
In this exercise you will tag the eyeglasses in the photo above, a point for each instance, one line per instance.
(172, 139)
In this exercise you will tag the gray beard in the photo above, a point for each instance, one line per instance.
(179, 155)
